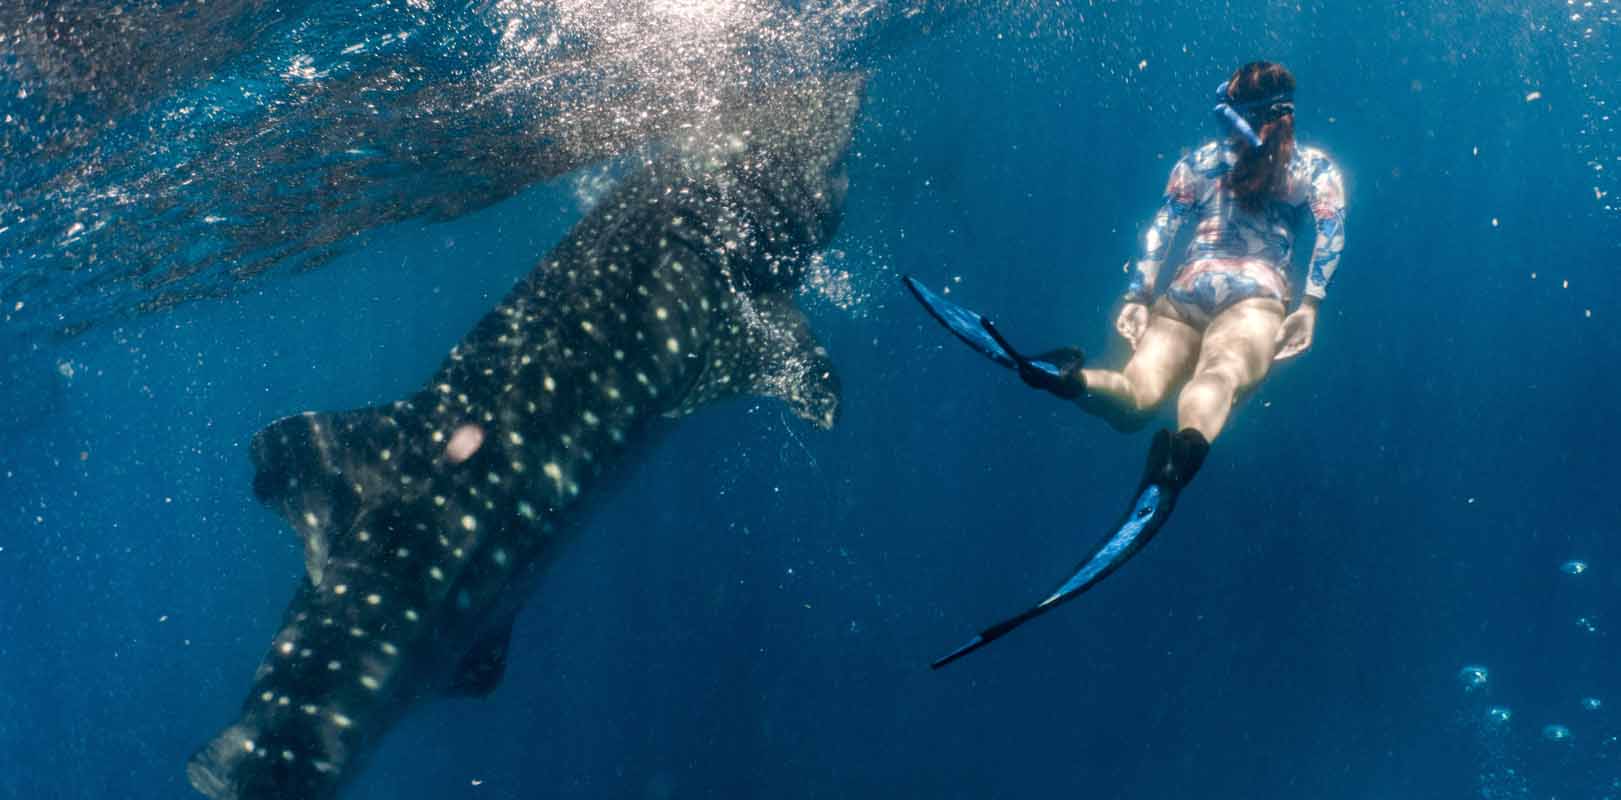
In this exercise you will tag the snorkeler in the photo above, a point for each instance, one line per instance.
(1219, 325)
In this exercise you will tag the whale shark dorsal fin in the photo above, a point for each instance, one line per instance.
(481, 669)
(320, 471)
(773, 353)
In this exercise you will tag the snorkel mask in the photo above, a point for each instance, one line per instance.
(1237, 117)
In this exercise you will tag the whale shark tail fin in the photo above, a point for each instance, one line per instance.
(319, 471)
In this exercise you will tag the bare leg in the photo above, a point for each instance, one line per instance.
(1235, 356)
(1163, 358)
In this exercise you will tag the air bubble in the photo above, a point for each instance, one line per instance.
(1574, 566)
(1499, 713)
(1592, 703)
(1555, 733)
(1473, 677)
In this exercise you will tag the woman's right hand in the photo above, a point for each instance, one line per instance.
(1132, 323)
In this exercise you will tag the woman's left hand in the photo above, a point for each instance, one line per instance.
(1294, 336)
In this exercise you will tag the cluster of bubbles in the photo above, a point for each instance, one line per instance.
(1475, 678)
(162, 152)
(1586, 30)
(1505, 776)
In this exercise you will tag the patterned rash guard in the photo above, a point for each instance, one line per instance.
(1237, 253)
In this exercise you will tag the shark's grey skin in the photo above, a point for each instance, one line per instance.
(425, 520)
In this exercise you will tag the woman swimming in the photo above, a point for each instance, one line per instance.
(1219, 325)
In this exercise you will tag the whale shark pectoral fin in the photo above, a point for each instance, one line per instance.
(793, 366)
(319, 471)
(771, 354)
(481, 669)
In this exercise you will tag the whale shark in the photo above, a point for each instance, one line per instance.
(425, 521)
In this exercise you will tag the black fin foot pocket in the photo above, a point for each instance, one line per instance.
(1057, 371)
(1173, 459)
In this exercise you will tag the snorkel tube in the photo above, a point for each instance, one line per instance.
(1231, 114)
(1232, 120)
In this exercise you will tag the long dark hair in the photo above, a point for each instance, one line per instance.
(1261, 171)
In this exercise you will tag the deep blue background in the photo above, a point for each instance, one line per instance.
(754, 613)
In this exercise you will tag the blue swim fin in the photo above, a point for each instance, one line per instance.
(969, 326)
(1048, 371)
(1172, 462)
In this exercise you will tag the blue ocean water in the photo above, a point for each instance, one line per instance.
(753, 612)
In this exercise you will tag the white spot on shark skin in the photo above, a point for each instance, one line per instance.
(309, 709)
(341, 589)
(287, 648)
(672, 345)
(525, 510)
(310, 519)
(515, 437)
(334, 665)
(267, 696)
(287, 755)
(247, 745)
(411, 615)
(388, 648)
(464, 443)
(469, 523)
(369, 682)
(374, 599)
(554, 472)
(436, 573)
(340, 720)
